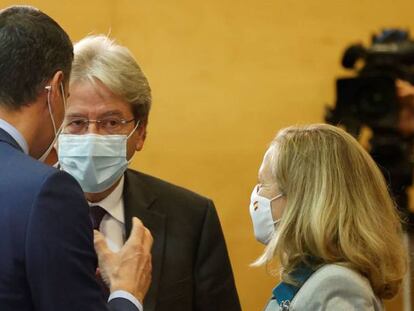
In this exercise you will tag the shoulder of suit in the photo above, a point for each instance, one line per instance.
(338, 275)
(336, 271)
(333, 280)
(29, 175)
(158, 185)
(27, 167)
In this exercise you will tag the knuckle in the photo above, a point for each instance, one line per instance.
(138, 221)
(139, 249)
(97, 239)
(149, 235)
(105, 256)
(139, 233)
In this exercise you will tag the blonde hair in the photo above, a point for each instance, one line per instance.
(100, 58)
(338, 209)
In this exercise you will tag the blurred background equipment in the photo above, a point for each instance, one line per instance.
(370, 99)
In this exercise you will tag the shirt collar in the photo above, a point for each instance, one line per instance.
(112, 203)
(17, 136)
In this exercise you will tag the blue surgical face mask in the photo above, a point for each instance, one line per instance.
(95, 161)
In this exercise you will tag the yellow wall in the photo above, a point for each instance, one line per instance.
(226, 75)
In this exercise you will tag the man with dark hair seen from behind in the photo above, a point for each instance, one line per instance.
(47, 260)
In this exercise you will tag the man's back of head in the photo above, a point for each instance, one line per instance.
(33, 47)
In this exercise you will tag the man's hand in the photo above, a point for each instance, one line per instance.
(129, 269)
(405, 95)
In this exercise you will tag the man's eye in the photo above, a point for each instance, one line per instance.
(111, 123)
(77, 123)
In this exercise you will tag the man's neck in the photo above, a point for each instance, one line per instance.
(25, 121)
(97, 197)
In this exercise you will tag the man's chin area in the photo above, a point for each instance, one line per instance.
(94, 197)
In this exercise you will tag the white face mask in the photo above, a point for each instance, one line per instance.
(96, 161)
(56, 131)
(261, 213)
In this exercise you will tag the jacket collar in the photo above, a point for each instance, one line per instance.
(285, 292)
(139, 200)
(6, 137)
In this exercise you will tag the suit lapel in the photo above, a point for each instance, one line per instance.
(6, 137)
(138, 199)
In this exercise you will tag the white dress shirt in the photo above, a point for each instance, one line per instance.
(112, 227)
(113, 224)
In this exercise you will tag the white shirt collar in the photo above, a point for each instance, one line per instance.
(113, 202)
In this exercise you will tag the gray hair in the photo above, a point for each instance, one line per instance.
(100, 58)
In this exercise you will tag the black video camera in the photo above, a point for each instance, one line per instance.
(370, 99)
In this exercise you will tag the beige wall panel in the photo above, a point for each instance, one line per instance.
(226, 75)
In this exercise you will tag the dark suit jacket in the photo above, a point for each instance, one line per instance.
(191, 267)
(47, 260)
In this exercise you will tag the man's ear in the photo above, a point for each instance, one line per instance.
(142, 135)
(53, 87)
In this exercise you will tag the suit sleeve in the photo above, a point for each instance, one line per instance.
(214, 283)
(118, 304)
(60, 258)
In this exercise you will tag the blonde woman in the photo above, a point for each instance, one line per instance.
(324, 211)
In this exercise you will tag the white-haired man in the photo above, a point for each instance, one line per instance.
(106, 124)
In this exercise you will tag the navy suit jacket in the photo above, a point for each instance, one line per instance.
(47, 259)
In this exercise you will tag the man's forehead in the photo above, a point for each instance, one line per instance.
(85, 101)
(99, 113)
(86, 93)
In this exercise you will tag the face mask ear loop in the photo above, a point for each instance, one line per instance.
(57, 132)
(275, 222)
(64, 107)
(277, 197)
(48, 88)
(135, 128)
(130, 134)
(63, 95)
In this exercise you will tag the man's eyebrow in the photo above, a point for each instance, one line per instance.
(117, 113)
(75, 115)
